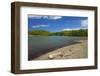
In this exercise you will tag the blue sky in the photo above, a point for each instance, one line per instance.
(56, 23)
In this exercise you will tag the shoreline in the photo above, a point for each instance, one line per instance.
(47, 50)
(73, 51)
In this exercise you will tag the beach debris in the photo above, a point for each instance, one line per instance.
(52, 56)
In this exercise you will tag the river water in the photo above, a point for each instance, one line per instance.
(38, 45)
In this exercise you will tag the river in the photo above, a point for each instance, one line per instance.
(38, 45)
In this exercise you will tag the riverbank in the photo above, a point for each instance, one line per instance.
(74, 51)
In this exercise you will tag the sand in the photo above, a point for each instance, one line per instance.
(74, 51)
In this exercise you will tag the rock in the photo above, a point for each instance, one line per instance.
(50, 56)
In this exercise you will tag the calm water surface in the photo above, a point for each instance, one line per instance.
(38, 45)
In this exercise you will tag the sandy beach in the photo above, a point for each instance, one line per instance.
(74, 51)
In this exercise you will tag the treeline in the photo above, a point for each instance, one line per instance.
(81, 32)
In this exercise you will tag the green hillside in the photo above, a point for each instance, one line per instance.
(81, 32)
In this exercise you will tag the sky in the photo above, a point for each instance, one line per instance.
(56, 23)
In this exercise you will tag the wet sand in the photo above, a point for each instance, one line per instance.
(74, 51)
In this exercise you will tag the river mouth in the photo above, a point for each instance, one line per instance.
(39, 45)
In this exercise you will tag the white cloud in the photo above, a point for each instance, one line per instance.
(55, 17)
(67, 29)
(35, 16)
(45, 17)
(84, 24)
(38, 26)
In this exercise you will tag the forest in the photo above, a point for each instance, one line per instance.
(80, 32)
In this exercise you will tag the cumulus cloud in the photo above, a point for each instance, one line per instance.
(67, 29)
(84, 24)
(38, 26)
(45, 17)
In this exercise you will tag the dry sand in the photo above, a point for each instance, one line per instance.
(74, 51)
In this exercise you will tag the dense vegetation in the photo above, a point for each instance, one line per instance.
(81, 32)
